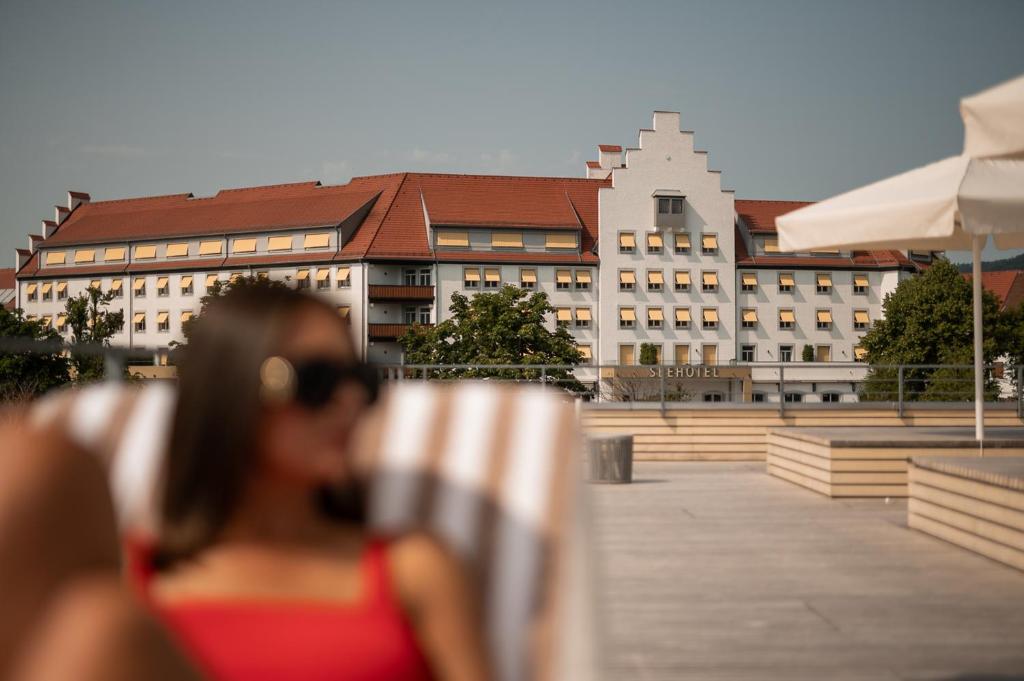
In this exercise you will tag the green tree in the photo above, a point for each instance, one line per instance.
(505, 327)
(24, 375)
(928, 320)
(648, 354)
(807, 354)
(218, 290)
(91, 324)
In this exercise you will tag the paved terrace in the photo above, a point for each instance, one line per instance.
(719, 571)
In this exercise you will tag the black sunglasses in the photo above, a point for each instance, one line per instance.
(313, 382)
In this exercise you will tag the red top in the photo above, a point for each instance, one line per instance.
(261, 640)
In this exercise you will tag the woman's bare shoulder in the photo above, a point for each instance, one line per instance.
(422, 565)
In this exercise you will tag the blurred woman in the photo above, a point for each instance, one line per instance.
(264, 568)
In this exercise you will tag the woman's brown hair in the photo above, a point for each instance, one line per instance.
(214, 436)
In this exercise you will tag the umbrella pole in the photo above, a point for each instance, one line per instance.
(977, 243)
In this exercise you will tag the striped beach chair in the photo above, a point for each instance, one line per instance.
(491, 470)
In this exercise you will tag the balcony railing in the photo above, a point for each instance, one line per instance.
(388, 332)
(382, 292)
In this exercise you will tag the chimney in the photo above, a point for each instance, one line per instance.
(60, 213)
(49, 227)
(75, 199)
(32, 239)
(21, 256)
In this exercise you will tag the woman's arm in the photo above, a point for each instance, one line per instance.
(435, 592)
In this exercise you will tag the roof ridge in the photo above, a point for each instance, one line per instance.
(551, 178)
(383, 218)
(774, 200)
(315, 183)
(139, 198)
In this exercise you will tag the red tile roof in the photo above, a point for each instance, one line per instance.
(593, 164)
(1007, 285)
(230, 211)
(6, 277)
(759, 216)
(609, 147)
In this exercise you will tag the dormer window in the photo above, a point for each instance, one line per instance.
(669, 206)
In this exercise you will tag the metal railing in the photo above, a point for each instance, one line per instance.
(778, 385)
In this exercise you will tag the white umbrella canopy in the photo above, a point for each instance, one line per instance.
(956, 203)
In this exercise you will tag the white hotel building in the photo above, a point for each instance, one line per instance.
(647, 248)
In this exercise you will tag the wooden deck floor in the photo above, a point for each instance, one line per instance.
(719, 571)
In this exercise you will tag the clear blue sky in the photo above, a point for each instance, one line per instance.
(795, 100)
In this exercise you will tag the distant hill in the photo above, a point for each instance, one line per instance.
(1014, 263)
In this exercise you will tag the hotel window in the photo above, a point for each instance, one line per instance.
(785, 353)
(668, 205)
(235, 276)
(409, 277)
(507, 240)
(682, 353)
(186, 285)
(786, 282)
(46, 320)
(426, 276)
(185, 316)
(655, 280)
(163, 287)
(682, 317)
(559, 241)
(748, 281)
(861, 320)
(424, 312)
(627, 317)
(117, 286)
(323, 278)
(211, 281)
(85, 256)
(823, 282)
(709, 317)
(563, 315)
(163, 321)
(627, 280)
(563, 280)
(747, 353)
(409, 314)
(582, 280)
(627, 355)
(211, 247)
(145, 252)
(243, 246)
(302, 279)
(859, 354)
(682, 280)
(453, 239)
(471, 277)
(823, 353)
(830, 397)
(30, 292)
(709, 282)
(709, 244)
(62, 322)
(492, 277)
(55, 257)
(655, 317)
(344, 311)
(139, 321)
(95, 283)
(62, 290)
(682, 243)
(654, 243)
(749, 319)
(114, 254)
(279, 243)
(757, 396)
(860, 284)
(48, 291)
(263, 276)
(709, 355)
(771, 245)
(176, 250)
(714, 396)
(793, 397)
(583, 317)
(344, 277)
(528, 279)
(658, 354)
(787, 319)
(585, 353)
(318, 240)
(627, 242)
(824, 319)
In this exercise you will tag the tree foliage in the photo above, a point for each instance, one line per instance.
(91, 324)
(509, 326)
(24, 375)
(807, 354)
(218, 290)
(648, 354)
(928, 319)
